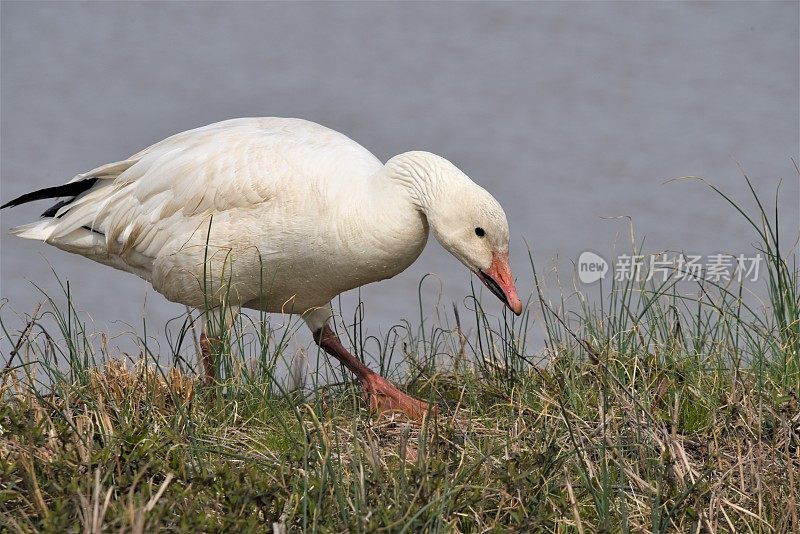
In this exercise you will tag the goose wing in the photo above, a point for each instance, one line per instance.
(133, 207)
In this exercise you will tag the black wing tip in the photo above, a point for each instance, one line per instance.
(16, 202)
(72, 189)
(52, 210)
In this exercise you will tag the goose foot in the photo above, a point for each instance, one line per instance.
(383, 396)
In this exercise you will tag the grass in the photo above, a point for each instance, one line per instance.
(660, 407)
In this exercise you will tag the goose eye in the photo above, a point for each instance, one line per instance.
(480, 232)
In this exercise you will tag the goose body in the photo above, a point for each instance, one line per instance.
(274, 214)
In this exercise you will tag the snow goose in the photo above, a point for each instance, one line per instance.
(279, 215)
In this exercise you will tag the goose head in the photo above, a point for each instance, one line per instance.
(466, 220)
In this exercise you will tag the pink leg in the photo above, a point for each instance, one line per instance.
(207, 346)
(381, 394)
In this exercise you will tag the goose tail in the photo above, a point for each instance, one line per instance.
(39, 230)
(42, 230)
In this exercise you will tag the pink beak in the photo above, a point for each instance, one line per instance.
(499, 280)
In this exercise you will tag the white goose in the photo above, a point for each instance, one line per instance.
(279, 215)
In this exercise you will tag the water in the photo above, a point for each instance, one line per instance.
(572, 115)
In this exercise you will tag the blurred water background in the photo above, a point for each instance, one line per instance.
(574, 115)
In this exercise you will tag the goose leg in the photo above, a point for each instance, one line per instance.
(217, 322)
(207, 349)
(381, 394)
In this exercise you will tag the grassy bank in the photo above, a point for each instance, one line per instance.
(655, 407)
